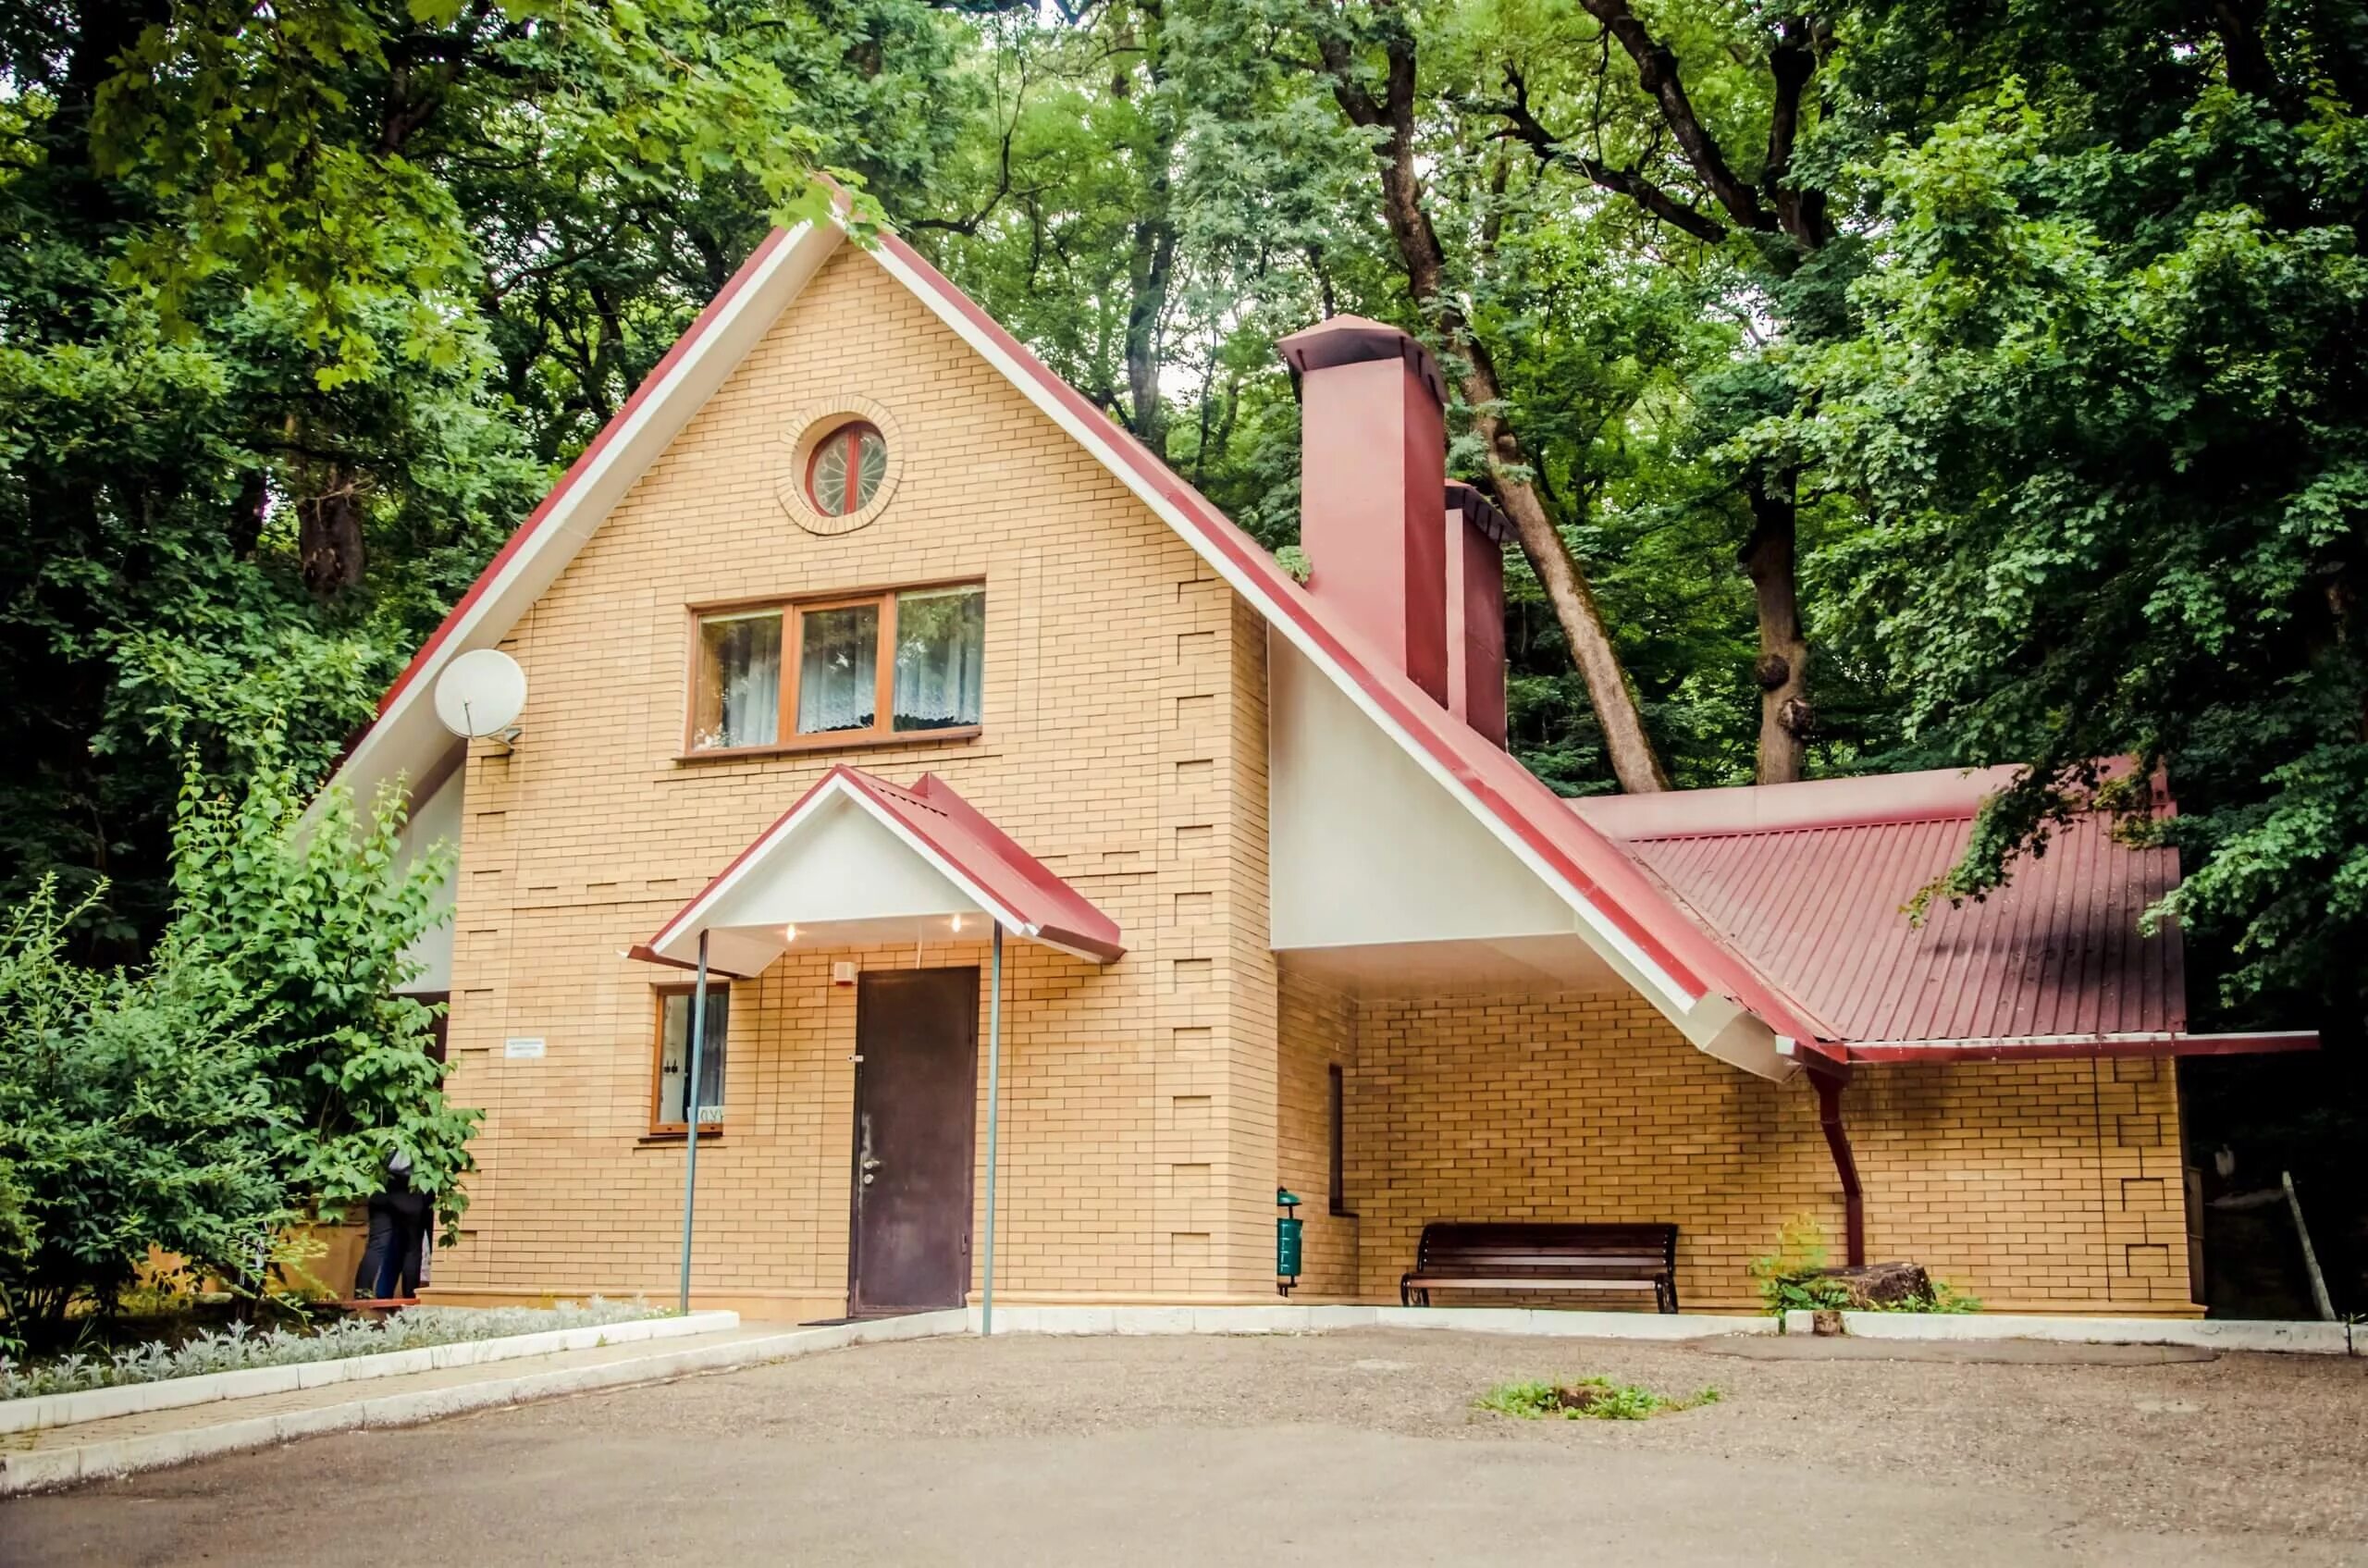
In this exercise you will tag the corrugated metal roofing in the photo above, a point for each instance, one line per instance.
(1819, 907)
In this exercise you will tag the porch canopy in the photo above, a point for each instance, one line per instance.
(861, 860)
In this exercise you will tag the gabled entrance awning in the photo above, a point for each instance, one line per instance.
(857, 860)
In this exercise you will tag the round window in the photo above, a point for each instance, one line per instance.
(845, 470)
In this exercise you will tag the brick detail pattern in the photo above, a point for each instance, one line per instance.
(2041, 1186)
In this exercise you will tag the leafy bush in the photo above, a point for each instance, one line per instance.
(313, 922)
(1789, 1279)
(1594, 1399)
(134, 1113)
(238, 1347)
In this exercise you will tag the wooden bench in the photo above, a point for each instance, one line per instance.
(1505, 1257)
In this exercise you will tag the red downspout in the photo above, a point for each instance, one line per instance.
(1845, 1165)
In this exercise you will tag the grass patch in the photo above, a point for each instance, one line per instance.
(1589, 1398)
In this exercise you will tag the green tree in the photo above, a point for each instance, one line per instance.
(2102, 398)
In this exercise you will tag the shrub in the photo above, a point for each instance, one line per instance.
(134, 1113)
(312, 921)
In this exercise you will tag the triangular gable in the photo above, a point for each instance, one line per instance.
(1683, 969)
(855, 848)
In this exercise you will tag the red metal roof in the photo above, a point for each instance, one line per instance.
(1010, 883)
(1810, 881)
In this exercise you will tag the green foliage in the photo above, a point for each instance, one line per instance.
(1789, 1279)
(311, 920)
(303, 307)
(2100, 405)
(134, 1113)
(1588, 1398)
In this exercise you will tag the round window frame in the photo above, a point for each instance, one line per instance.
(813, 426)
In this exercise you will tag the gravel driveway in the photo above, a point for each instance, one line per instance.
(1358, 1447)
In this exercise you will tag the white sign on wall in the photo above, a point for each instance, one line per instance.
(524, 1048)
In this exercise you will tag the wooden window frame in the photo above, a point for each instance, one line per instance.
(657, 997)
(793, 612)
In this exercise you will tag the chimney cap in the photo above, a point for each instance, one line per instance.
(1353, 339)
(1479, 512)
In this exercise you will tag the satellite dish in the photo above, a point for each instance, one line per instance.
(481, 693)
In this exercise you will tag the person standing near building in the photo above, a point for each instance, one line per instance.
(391, 1260)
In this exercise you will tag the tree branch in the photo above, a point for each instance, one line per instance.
(1792, 60)
(1521, 124)
(1657, 73)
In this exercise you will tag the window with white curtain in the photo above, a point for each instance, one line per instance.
(941, 649)
(739, 691)
(821, 673)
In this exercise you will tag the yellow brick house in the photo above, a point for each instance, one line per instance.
(870, 666)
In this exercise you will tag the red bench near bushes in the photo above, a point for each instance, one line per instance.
(1507, 1256)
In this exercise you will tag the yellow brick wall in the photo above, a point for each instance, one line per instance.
(1138, 1138)
(1318, 1032)
(2047, 1186)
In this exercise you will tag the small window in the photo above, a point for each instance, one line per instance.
(670, 1097)
(1336, 1111)
(846, 670)
(845, 470)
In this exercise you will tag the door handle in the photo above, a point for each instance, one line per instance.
(870, 1164)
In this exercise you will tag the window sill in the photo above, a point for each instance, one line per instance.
(707, 1135)
(871, 740)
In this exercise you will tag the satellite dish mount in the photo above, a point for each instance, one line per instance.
(480, 694)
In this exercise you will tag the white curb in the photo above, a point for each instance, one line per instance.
(171, 1393)
(43, 1468)
(2218, 1334)
(1023, 1319)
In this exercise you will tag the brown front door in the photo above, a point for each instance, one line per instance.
(916, 1099)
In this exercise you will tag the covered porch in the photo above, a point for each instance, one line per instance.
(1710, 1009)
(853, 877)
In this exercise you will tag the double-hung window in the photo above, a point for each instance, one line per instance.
(840, 671)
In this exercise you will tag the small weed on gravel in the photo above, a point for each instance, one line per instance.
(1597, 1398)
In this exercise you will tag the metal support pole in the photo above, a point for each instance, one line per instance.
(691, 1118)
(995, 1122)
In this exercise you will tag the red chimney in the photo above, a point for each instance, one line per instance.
(1373, 463)
(1477, 535)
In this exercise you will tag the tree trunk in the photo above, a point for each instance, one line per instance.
(1783, 670)
(328, 537)
(1630, 750)
(1153, 268)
